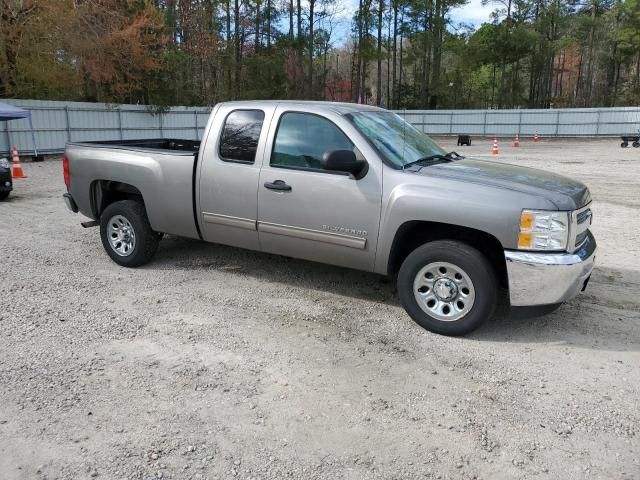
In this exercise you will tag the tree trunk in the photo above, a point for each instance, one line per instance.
(238, 52)
(437, 54)
(257, 32)
(394, 89)
(12, 69)
(291, 34)
(299, 53)
(311, 41)
(399, 94)
(426, 53)
(578, 89)
(355, 82)
(269, 25)
(560, 87)
(365, 60)
(388, 100)
(325, 70)
(379, 79)
(615, 84)
(299, 7)
(358, 62)
(228, 49)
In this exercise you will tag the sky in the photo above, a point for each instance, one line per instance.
(472, 13)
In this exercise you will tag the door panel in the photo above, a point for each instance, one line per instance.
(228, 184)
(325, 216)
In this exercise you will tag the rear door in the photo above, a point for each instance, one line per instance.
(230, 169)
(307, 212)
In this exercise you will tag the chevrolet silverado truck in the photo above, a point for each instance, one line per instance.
(348, 185)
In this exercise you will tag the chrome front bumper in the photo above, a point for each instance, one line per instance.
(548, 278)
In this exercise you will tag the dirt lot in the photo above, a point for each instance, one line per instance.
(212, 362)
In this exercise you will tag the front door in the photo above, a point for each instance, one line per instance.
(311, 213)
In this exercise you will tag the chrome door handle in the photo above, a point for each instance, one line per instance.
(278, 185)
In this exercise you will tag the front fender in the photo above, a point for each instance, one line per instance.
(492, 210)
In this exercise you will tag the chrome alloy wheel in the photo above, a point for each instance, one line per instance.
(122, 237)
(444, 291)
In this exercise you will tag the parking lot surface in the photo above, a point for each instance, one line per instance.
(213, 362)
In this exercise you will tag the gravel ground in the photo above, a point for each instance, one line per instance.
(212, 362)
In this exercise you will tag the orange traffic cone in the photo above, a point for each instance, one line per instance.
(516, 143)
(16, 169)
(535, 137)
(494, 149)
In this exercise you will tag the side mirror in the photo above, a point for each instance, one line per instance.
(344, 161)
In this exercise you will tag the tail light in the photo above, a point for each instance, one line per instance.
(65, 172)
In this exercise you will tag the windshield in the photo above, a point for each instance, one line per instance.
(398, 141)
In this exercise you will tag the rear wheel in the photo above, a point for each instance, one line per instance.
(636, 144)
(624, 144)
(448, 287)
(4, 195)
(126, 234)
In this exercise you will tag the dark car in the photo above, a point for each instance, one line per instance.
(6, 183)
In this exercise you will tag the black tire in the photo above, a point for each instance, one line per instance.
(636, 144)
(146, 240)
(466, 258)
(4, 195)
(624, 144)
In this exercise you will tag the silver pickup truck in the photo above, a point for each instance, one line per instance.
(348, 185)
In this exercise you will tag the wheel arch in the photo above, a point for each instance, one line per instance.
(105, 192)
(412, 234)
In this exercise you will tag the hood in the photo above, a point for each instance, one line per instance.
(565, 193)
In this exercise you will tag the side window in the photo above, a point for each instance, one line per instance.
(303, 138)
(240, 135)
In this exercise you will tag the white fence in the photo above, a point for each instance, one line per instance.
(56, 123)
(574, 122)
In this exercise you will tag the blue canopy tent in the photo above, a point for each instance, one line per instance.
(9, 112)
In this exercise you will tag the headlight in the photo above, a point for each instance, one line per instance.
(543, 230)
(4, 163)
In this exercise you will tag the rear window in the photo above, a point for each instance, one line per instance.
(240, 135)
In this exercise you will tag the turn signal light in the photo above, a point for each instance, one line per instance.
(525, 240)
(527, 221)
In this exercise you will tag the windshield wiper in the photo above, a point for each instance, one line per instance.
(434, 159)
(454, 156)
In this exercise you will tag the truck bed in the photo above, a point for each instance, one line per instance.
(161, 170)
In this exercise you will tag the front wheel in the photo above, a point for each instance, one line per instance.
(126, 233)
(636, 144)
(448, 287)
(4, 195)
